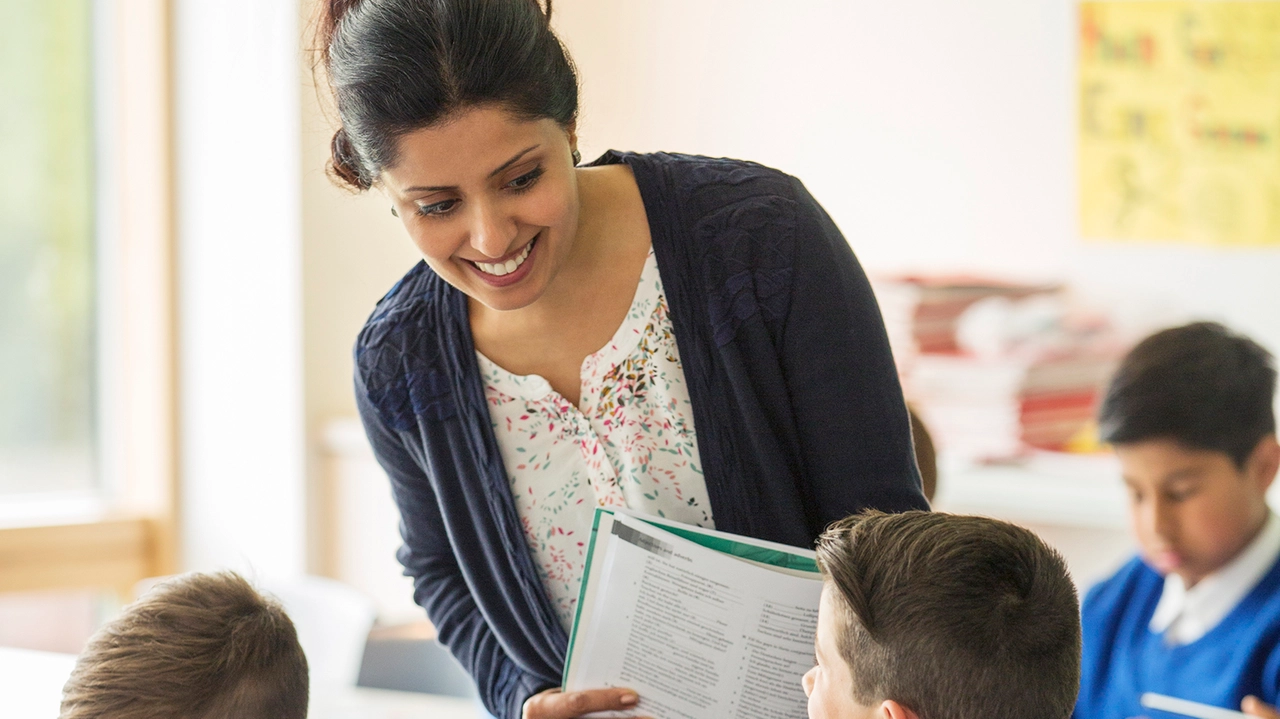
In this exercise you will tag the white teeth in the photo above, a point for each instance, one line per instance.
(506, 268)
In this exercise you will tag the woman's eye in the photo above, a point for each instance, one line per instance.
(526, 180)
(436, 208)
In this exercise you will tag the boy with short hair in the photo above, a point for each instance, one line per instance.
(938, 616)
(1197, 614)
(200, 646)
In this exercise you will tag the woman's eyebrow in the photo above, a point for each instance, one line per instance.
(441, 188)
(514, 159)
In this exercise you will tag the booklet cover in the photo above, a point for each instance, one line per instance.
(702, 624)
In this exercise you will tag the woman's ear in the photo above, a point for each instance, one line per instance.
(571, 130)
(889, 709)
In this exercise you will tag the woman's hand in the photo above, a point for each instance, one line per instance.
(1254, 706)
(555, 704)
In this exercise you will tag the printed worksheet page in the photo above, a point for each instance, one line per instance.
(697, 633)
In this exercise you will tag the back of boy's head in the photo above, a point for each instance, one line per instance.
(201, 646)
(1200, 385)
(954, 617)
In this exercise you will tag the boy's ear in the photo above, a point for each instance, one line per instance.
(889, 709)
(1265, 462)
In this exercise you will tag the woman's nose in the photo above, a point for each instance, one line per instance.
(492, 232)
(806, 681)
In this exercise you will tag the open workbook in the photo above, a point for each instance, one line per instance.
(702, 624)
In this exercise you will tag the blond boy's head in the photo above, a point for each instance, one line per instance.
(1190, 415)
(937, 616)
(200, 646)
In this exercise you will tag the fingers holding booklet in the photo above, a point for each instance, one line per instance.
(699, 623)
(557, 704)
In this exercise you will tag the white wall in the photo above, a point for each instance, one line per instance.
(242, 493)
(938, 134)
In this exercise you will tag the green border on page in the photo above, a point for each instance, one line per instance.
(582, 592)
(763, 555)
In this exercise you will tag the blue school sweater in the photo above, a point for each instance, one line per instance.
(1123, 658)
(796, 403)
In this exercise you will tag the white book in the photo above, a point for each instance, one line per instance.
(702, 624)
(1174, 705)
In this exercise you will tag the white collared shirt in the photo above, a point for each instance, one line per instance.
(1185, 615)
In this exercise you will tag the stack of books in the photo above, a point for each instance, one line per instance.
(1058, 400)
(970, 405)
(997, 369)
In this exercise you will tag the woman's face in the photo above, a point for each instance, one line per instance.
(491, 202)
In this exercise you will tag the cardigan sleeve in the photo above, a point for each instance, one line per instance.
(850, 416)
(439, 586)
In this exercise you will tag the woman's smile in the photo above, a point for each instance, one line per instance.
(510, 269)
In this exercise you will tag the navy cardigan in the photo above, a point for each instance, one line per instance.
(796, 404)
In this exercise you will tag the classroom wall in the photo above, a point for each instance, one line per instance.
(242, 490)
(939, 135)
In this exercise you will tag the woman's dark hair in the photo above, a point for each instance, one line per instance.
(1200, 385)
(396, 66)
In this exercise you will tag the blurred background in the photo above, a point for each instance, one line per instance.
(1032, 185)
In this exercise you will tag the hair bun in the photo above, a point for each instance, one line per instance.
(330, 14)
(344, 164)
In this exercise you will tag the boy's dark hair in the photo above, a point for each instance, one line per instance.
(954, 617)
(1201, 385)
(201, 646)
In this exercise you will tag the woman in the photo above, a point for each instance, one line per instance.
(678, 335)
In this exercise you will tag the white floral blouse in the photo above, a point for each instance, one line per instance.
(630, 442)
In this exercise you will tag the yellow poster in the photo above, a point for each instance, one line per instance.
(1179, 121)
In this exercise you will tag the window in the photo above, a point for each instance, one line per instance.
(47, 237)
(86, 299)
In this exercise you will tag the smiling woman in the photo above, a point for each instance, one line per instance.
(674, 334)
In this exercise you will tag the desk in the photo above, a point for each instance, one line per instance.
(31, 682)
(1047, 488)
(31, 688)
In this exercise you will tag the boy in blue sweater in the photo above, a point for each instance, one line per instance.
(1197, 615)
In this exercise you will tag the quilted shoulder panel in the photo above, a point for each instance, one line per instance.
(399, 353)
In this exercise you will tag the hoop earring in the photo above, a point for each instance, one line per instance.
(577, 157)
